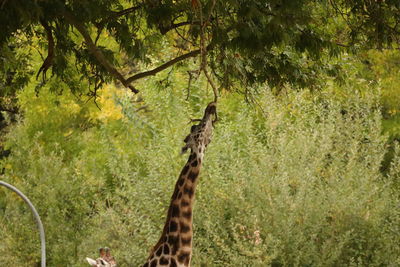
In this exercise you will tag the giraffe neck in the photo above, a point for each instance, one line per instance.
(175, 245)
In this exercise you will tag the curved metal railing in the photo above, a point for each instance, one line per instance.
(37, 218)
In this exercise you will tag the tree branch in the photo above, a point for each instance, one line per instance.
(203, 48)
(97, 52)
(117, 14)
(114, 15)
(164, 30)
(164, 66)
(2, 4)
(110, 68)
(124, 12)
(50, 51)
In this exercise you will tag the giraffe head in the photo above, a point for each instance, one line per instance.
(200, 134)
(105, 259)
(98, 263)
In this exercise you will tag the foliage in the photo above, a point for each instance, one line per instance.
(276, 41)
(299, 178)
(297, 183)
(383, 69)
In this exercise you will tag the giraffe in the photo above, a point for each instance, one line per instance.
(174, 248)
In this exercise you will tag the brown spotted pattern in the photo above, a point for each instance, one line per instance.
(174, 247)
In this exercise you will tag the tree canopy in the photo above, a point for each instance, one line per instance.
(246, 41)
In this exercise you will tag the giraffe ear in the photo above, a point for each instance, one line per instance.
(92, 262)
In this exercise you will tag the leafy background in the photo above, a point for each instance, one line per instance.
(295, 179)
(304, 166)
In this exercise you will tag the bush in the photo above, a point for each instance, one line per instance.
(305, 190)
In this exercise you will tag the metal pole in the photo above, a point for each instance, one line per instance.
(37, 217)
